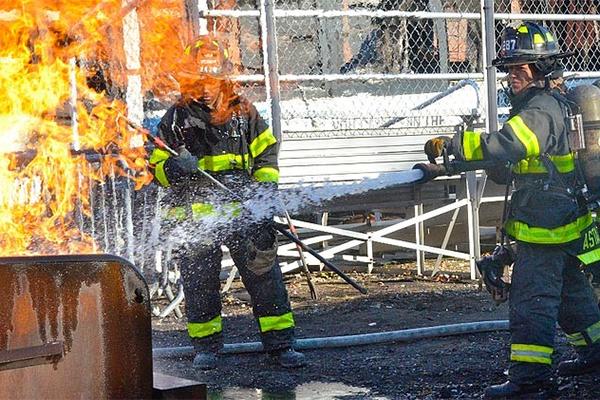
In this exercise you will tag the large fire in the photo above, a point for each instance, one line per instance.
(63, 72)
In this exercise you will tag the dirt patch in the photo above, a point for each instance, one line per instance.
(434, 368)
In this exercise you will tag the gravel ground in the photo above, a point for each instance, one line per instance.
(434, 368)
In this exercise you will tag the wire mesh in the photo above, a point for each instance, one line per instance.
(579, 36)
(395, 71)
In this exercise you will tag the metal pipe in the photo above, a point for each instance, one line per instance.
(360, 77)
(320, 13)
(319, 257)
(173, 304)
(398, 14)
(488, 47)
(436, 98)
(311, 287)
(291, 78)
(353, 340)
(271, 63)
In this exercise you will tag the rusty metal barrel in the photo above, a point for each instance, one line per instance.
(74, 327)
(588, 99)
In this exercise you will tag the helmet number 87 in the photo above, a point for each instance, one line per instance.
(509, 44)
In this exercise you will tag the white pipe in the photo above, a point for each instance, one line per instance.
(361, 77)
(353, 340)
(318, 13)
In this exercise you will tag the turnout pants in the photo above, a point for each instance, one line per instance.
(548, 286)
(254, 252)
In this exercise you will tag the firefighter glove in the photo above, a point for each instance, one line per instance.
(186, 162)
(491, 269)
(434, 147)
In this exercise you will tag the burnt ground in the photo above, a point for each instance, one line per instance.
(434, 368)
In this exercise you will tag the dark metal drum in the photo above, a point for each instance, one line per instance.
(74, 327)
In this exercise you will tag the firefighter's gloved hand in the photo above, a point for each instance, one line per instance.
(186, 162)
(435, 146)
(491, 269)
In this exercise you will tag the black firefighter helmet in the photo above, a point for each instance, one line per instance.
(530, 43)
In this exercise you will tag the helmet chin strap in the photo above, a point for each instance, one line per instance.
(539, 83)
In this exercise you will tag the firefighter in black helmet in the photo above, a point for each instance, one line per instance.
(554, 232)
(220, 132)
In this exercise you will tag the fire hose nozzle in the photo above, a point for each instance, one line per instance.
(430, 171)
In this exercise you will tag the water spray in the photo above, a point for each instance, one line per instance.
(291, 236)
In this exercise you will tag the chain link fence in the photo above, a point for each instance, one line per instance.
(349, 68)
(362, 84)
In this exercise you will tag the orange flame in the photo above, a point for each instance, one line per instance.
(63, 73)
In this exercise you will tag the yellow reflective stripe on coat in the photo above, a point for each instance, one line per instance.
(159, 174)
(266, 174)
(534, 234)
(158, 155)
(525, 135)
(176, 213)
(531, 353)
(276, 323)
(203, 210)
(157, 161)
(590, 257)
(590, 246)
(534, 165)
(233, 209)
(200, 210)
(472, 146)
(593, 332)
(223, 162)
(591, 239)
(203, 329)
(261, 142)
(576, 339)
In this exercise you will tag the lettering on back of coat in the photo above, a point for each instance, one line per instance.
(591, 239)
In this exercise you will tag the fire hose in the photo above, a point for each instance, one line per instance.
(353, 340)
(291, 236)
(450, 167)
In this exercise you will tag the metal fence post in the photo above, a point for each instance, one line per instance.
(371, 262)
(489, 77)
(271, 63)
(419, 239)
(473, 221)
(491, 124)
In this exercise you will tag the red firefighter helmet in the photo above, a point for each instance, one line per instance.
(206, 56)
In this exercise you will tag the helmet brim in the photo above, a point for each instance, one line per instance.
(523, 59)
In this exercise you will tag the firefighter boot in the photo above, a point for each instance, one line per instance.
(287, 358)
(511, 390)
(206, 351)
(205, 360)
(587, 360)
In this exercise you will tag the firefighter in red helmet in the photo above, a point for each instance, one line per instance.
(221, 132)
